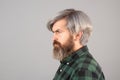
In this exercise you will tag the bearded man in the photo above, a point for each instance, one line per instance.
(71, 30)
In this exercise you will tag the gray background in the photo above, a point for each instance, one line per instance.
(25, 42)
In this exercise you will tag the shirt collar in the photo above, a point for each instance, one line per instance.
(74, 55)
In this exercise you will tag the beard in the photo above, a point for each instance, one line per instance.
(61, 51)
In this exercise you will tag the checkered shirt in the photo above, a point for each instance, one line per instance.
(79, 66)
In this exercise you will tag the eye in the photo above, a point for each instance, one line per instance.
(58, 31)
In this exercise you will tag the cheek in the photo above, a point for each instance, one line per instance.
(63, 38)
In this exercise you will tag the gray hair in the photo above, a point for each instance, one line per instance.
(76, 21)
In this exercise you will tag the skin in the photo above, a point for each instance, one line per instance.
(61, 34)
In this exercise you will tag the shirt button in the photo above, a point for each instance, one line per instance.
(60, 70)
(67, 63)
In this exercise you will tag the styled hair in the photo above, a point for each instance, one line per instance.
(77, 21)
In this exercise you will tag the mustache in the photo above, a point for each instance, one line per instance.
(56, 42)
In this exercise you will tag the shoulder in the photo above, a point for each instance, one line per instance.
(87, 62)
(87, 68)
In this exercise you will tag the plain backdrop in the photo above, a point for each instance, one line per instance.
(25, 42)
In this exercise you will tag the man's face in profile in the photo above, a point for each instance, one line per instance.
(62, 40)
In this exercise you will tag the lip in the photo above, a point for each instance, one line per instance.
(56, 45)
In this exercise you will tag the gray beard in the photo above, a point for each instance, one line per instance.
(62, 51)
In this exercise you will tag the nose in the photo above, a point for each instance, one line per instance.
(54, 37)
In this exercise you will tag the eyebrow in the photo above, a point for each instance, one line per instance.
(56, 30)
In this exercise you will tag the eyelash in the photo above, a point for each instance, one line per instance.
(58, 31)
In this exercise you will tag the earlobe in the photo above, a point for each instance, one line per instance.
(78, 36)
(75, 37)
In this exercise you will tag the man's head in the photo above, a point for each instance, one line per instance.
(71, 29)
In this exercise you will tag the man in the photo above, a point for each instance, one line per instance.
(71, 30)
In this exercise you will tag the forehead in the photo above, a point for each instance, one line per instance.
(60, 24)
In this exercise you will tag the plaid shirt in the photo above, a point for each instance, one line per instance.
(79, 66)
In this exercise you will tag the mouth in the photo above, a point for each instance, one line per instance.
(56, 44)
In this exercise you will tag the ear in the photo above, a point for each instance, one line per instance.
(77, 36)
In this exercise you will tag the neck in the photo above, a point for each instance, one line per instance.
(77, 46)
